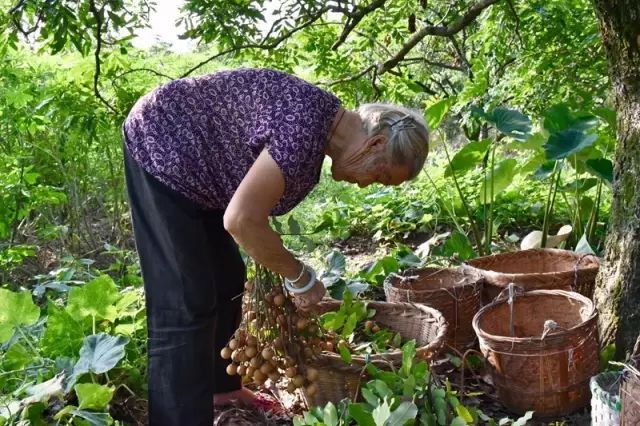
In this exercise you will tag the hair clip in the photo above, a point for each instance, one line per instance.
(403, 123)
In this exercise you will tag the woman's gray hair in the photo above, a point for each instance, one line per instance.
(405, 130)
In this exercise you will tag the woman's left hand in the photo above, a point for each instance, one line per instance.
(305, 301)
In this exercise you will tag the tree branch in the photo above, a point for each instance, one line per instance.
(355, 17)
(97, 15)
(434, 64)
(461, 56)
(437, 30)
(262, 44)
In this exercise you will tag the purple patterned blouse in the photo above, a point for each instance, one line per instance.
(200, 136)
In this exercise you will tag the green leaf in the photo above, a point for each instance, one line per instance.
(345, 354)
(336, 262)
(503, 174)
(464, 413)
(458, 421)
(511, 122)
(607, 354)
(100, 353)
(96, 299)
(381, 413)
(437, 111)
(405, 412)
(567, 142)
(362, 417)
(16, 309)
(559, 117)
(63, 335)
(468, 157)
(93, 396)
(408, 354)
(545, 170)
(369, 396)
(16, 357)
(330, 415)
(94, 419)
(602, 168)
(459, 243)
(350, 325)
(34, 413)
(294, 226)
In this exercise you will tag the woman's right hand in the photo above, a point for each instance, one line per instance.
(305, 301)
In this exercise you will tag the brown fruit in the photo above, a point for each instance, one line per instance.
(298, 381)
(279, 300)
(232, 369)
(255, 362)
(250, 371)
(242, 370)
(259, 377)
(248, 286)
(225, 353)
(250, 351)
(269, 298)
(313, 330)
(291, 388)
(274, 377)
(375, 328)
(266, 368)
(312, 374)
(252, 341)
(233, 344)
(267, 354)
(291, 372)
(328, 346)
(308, 352)
(368, 325)
(277, 343)
(289, 362)
(302, 324)
(312, 389)
(235, 356)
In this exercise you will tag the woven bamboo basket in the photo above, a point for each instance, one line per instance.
(605, 399)
(538, 269)
(542, 349)
(456, 293)
(338, 380)
(630, 391)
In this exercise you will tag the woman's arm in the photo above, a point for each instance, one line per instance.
(247, 217)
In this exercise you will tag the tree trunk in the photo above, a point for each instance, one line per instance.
(618, 288)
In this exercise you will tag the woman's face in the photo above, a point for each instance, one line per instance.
(371, 165)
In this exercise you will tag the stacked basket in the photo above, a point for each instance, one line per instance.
(339, 380)
(456, 293)
(542, 347)
(537, 269)
(630, 391)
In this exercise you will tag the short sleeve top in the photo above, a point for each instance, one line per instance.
(201, 135)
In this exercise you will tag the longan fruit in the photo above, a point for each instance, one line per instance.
(251, 340)
(267, 354)
(279, 300)
(291, 372)
(233, 344)
(312, 374)
(266, 368)
(291, 388)
(312, 389)
(250, 351)
(242, 370)
(298, 381)
(255, 362)
(226, 352)
(232, 369)
(259, 377)
(302, 324)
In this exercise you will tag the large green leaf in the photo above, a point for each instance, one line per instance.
(100, 353)
(502, 174)
(405, 412)
(16, 309)
(330, 416)
(602, 168)
(567, 142)
(437, 111)
(458, 244)
(362, 417)
(510, 122)
(63, 335)
(381, 413)
(559, 117)
(94, 419)
(96, 299)
(93, 396)
(468, 157)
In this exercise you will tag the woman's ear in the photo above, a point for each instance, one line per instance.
(376, 142)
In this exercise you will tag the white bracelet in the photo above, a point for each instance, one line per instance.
(295, 290)
(304, 267)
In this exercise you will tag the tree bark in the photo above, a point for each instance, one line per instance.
(617, 292)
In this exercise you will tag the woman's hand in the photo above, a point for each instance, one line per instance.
(305, 301)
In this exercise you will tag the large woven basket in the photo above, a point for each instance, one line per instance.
(454, 292)
(605, 399)
(630, 391)
(338, 380)
(542, 350)
(538, 269)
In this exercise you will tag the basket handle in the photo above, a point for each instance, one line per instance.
(574, 285)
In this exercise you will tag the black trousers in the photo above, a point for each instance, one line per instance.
(192, 273)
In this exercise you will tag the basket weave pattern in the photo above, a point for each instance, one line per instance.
(534, 365)
(338, 380)
(454, 292)
(537, 269)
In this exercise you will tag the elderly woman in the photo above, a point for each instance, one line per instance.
(208, 160)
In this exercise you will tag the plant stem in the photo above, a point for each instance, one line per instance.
(545, 224)
(489, 229)
(550, 210)
(474, 226)
(578, 220)
(451, 213)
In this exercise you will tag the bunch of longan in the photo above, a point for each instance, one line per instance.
(274, 342)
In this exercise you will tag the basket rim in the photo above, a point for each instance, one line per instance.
(389, 285)
(395, 355)
(569, 294)
(561, 252)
